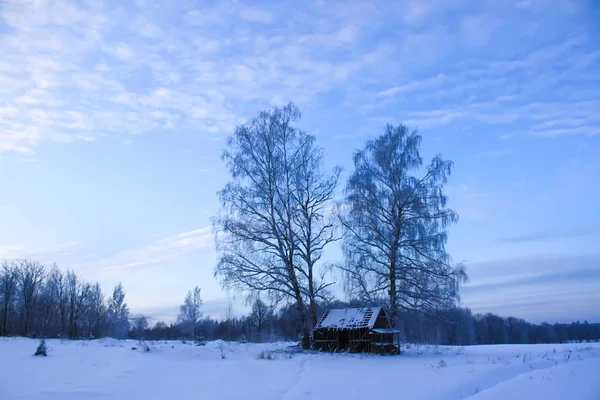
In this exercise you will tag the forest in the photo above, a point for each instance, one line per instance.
(42, 302)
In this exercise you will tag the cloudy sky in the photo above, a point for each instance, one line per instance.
(113, 117)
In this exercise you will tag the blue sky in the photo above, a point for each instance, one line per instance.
(113, 117)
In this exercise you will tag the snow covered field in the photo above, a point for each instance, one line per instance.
(110, 369)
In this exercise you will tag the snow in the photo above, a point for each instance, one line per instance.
(385, 330)
(110, 369)
(350, 318)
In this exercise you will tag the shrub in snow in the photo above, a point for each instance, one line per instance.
(200, 341)
(568, 357)
(222, 349)
(41, 349)
(142, 345)
(442, 364)
(265, 355)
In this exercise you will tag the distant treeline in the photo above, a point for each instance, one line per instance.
(452, 327)
(37, 301)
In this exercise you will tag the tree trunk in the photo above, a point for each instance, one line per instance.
(305, 331)
(313, 303)
(313, 313)
(392, 292)
(26, 315)
(5, 318)
(300, 306)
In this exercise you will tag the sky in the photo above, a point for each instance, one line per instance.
(113, 117)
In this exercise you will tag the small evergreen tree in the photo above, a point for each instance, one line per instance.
(41, 349)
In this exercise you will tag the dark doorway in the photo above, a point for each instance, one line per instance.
(343, 339)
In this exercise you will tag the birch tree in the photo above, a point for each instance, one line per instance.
(396, 226)
(189, 312)
(57, 286)
(30, 275)
(314, 220)
(118, 313)
(77, 301)
(8, 288)
(261, 242)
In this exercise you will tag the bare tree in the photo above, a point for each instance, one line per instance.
(8, 288)
(118, 313)
(140, 325)
(315, 223)
(396, 226)
(77, 294)
(189, 312)
(258, 231)
(30, 275)
(260, 315)
(229, 319)
(57, 286)
(96, 311)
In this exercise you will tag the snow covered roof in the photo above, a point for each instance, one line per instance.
(349, 318)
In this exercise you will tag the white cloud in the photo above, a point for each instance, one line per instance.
(416, 10)
(496, 153)
(163, 250)
(428, 83)
(346, 34)
(580, 130)
(256, 15)
(123, 52)
(478, 29)
(79, 71)
(42, 253)
(144, 27)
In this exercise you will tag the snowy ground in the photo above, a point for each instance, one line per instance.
(110, 369)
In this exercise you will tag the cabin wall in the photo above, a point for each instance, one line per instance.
(342, 339)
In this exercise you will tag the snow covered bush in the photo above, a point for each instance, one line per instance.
(41, 349)
(222, 349)
(200, 341)
(265, 355)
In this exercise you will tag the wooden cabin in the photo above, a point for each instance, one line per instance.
(356, 330)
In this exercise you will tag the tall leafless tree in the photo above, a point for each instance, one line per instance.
(189, 312)
(313, 194)
(30, 275)
(259, 318)
(396, 226)
(8, 288)
(77, 295)
(57, 287)
(259, 230)
(96, 312)
(118, 313)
